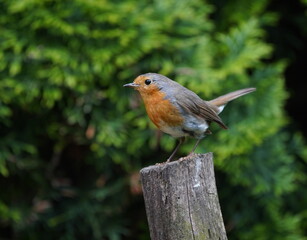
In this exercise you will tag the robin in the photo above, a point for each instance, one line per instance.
(177, 110)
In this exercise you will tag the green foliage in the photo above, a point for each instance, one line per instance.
(72, 138)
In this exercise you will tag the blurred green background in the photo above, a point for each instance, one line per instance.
(73, 139)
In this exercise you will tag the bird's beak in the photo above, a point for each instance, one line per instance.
(131, 85)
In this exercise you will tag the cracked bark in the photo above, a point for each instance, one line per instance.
(181, 200)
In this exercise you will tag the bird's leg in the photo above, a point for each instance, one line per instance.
(181, 140)
(196, 144)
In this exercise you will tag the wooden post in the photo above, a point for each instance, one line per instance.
(181, 200)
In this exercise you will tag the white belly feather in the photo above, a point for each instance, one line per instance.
(192, 126)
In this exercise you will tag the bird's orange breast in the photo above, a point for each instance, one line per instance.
(160, 110)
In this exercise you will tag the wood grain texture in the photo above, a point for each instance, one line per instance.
(181, 200)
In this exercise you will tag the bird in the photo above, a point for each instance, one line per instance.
(178, 111)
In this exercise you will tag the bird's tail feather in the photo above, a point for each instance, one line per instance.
(221, 101)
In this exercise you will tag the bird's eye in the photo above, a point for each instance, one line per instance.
(147, 81)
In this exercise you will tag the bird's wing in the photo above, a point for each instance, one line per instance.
(191, 103)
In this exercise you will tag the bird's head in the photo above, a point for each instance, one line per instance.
(148, 83)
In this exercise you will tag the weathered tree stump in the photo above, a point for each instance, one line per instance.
(181, 200)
